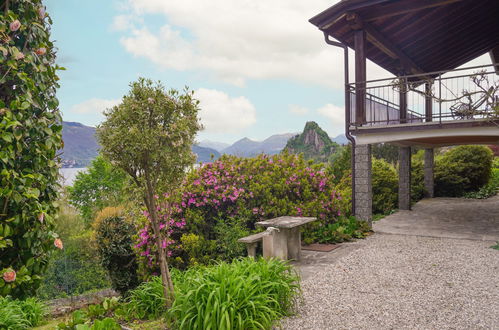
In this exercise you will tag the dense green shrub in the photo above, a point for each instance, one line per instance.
(462, 169)
(113, 236)
(340, 163)
(417, 177)
(101, 185)
(343, 230)
(75, 269)
(245, 294)
(489, 190)
(384, 186)
(30, 135)
(224, 199)
(20, 314)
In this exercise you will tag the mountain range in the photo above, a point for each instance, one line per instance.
(80, 146)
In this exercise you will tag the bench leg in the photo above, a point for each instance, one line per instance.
(293, 238)
(275, 246)
(251, 248)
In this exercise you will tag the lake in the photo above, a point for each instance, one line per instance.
(69, 175)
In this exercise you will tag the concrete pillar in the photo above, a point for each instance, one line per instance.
(363, 186)
(405, 178)
(428, 173)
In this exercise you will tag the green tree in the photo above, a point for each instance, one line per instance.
(30, 135)
(101, 185)
(150, 135)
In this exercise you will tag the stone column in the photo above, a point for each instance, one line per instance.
(363, 189)
(428, 173)
(405, 178)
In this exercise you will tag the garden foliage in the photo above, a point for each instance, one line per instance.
(222, 201)
(343, 230)
(245, 294)
(113, 237)
(462, 169)
(384, 186)
(20, 314)
(101, 185)
(77, 268)
(30, 135)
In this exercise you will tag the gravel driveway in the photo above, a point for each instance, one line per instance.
(403, 282)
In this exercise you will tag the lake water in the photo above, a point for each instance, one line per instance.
(69, 175)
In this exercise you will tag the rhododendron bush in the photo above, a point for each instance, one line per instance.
(238, 192)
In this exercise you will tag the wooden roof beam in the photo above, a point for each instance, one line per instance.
(383, 44)
(494, 56)
(401, 7)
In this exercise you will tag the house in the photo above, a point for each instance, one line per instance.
(431, 101)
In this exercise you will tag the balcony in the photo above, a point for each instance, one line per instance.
(413, 109)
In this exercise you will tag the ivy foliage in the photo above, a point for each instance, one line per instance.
(30, 135)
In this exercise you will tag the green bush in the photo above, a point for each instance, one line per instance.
(489, 190)
(343, 230)
(20, 314)
(74, 270)
(30, 136)
(100, 186)
(244, 294)
(113, 236)
(462, 169)
(417, 178)
(384, 186)
(145, 302)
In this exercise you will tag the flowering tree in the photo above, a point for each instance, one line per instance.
(30, 135)
(150, 135)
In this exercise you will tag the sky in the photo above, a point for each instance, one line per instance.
(258, 67)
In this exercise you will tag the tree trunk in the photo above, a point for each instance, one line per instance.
(166, 279)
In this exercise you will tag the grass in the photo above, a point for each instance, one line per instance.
(20, 314)
(244, 294)
(496, 246)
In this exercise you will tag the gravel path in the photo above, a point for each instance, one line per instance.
(404, 282)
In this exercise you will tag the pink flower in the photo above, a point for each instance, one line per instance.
(41, 216)
(58, 243)
(41, 51)
(15, 25)
(9, 276)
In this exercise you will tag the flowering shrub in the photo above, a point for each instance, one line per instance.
(30, 135)
(245, 190)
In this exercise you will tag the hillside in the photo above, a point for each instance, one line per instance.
(314, 143)
(249, 148)
(218, 146)
(80, 146)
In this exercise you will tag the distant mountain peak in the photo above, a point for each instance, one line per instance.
(313, 142)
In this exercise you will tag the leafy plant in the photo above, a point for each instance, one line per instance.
(384, 186)
(489, 190)
(245, 294)
(345, 229)
(20, 314)
(101, 185)
(149, 136)
(462, 169)
(113, 237)
(30, 135)
(146, 301)
(496, 246)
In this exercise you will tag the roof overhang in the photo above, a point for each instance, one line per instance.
(416, 36)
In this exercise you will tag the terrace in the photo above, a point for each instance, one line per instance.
(430, 101)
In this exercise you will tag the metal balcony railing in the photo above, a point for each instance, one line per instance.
(461, 94)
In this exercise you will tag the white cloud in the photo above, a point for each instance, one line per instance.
(221, 113)
(94, 106)
(237, 40)
(298, 110)
(336, 116)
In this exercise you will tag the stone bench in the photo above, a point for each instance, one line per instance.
(251, 242)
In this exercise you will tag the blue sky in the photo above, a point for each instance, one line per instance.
(257, 66)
